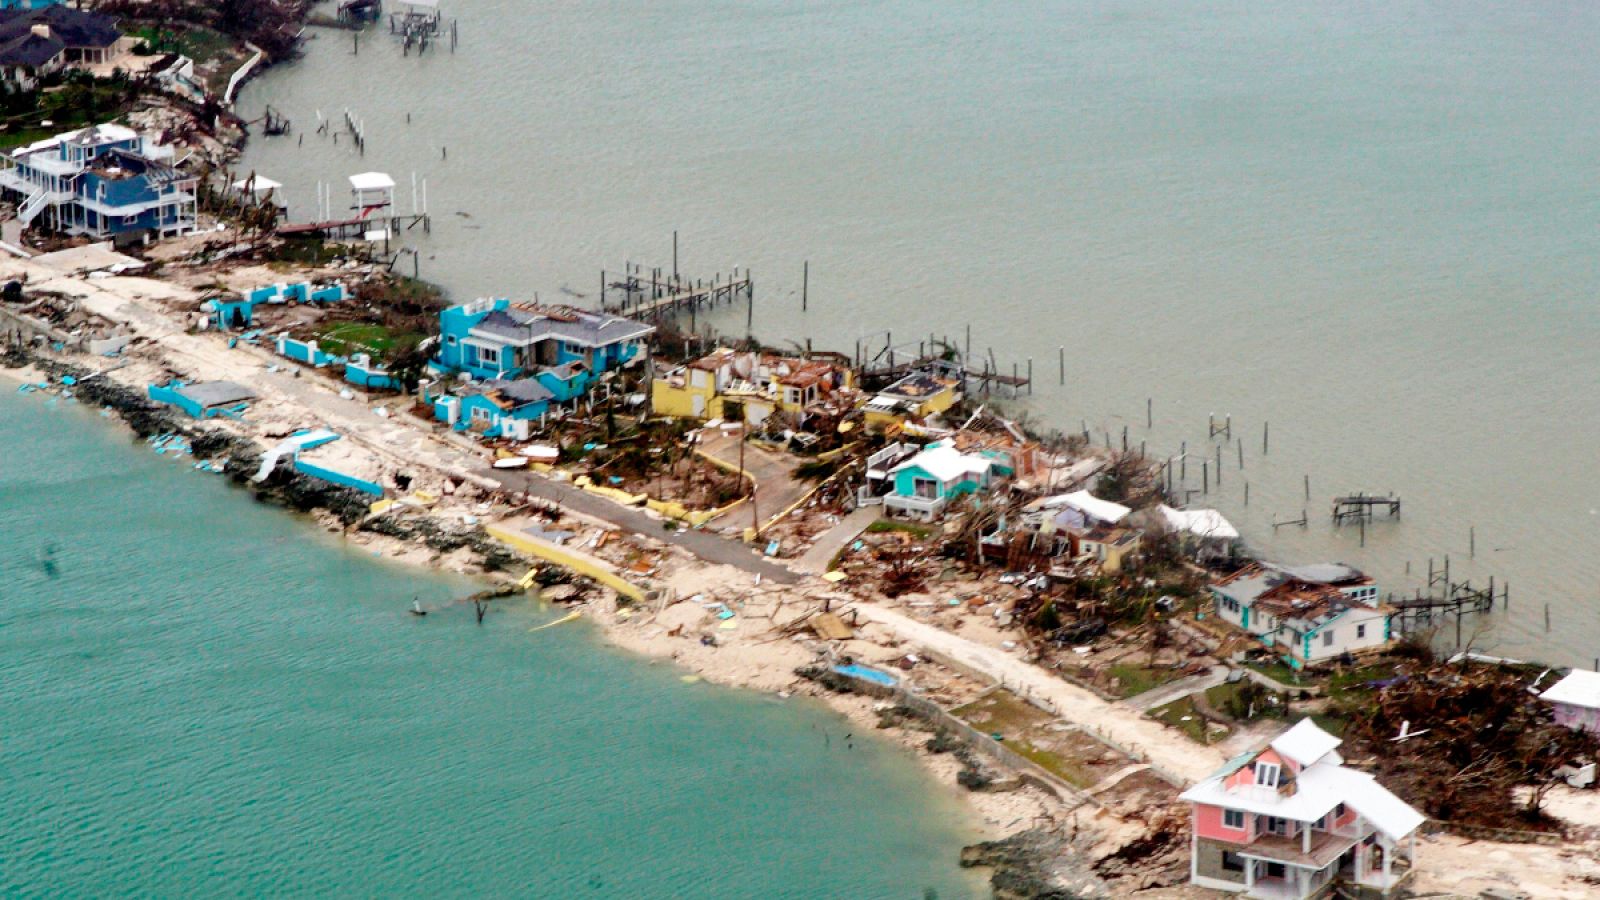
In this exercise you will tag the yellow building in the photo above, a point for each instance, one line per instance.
(756, 384)
(912, 399)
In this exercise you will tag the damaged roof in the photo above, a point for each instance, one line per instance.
(515, 393)
(527, 324)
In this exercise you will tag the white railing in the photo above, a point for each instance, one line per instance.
(36, 203)
(928, 505)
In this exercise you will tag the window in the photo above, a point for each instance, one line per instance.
(1233, 818)
(1338, 811)
(1232, 862)
(1327, 638)
(480, 414)
(926, 488)
(451, 340)
(1267, 774)
(488, 356)
(1361, 631)
(1276, 825)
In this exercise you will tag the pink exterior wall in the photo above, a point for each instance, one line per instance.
(1208, 824)
(1348, 817)
(1246, 776)
(1577, 717)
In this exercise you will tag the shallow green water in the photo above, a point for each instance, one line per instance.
(206, 697)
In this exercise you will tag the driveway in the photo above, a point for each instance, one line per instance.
(776, 487)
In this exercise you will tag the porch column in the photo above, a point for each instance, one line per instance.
(1388, 860)
(1194, 855)
(1305, 839)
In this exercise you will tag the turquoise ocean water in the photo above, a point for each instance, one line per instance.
(1372, 225)
(202, 696)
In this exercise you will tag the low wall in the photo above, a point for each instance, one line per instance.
(305, 352)
(170, 397)
(581, 563)
(241, 74)
(940, 717)
(339, 478)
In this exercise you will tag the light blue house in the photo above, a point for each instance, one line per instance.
(496, 339)
(924, 484)
(104, 181)
(494, 408)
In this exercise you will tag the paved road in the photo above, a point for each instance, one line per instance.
(712, 548)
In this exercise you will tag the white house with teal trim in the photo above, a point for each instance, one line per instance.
(1306, 614)
(565, 348)
(926, 483)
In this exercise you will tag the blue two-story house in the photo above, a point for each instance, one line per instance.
(104, 181)
(564, 349)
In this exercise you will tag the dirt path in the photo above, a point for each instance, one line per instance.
(1164, 749)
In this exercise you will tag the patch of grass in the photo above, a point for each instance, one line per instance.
(1279, 671)
(1001, 712)
(345, 338)
(1133, 679)
(198, 43)
(1331, 724)
(1353, 682)
(310, 251)
(1182, 715)
(883, 526)
(1054, 763)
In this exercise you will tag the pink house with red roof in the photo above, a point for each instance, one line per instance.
(1289, 820)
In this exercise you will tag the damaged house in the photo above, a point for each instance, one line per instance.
(1306, 614)
(104, 181)
(565, 349)
(751, 386)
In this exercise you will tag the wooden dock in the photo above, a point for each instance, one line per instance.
(355, 227)
(652, 293)
(1360, 507)
(1446, 600)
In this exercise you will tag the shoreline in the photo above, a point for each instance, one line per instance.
(1027, 828)
(768, 670)
(448, 536)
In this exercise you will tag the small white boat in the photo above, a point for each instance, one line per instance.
(510, 462)
(541, 452)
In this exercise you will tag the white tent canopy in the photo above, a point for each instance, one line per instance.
(371, 181)
(1205, 523)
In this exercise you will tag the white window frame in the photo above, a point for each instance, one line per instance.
(1229, 814)
(1327, 637)
(1361, 631)
(1264, 769)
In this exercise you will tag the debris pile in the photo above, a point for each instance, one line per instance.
(1457, 741)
